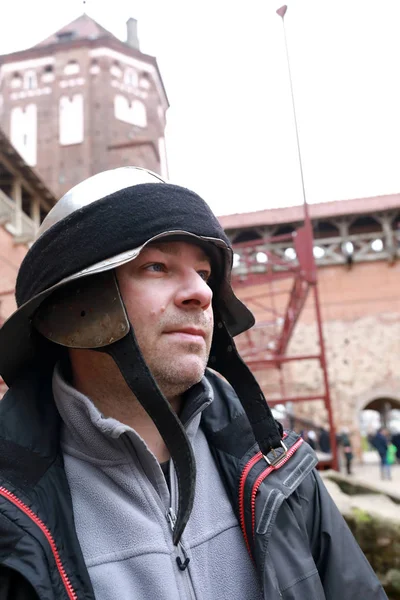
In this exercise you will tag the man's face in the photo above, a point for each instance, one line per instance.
(168, 301)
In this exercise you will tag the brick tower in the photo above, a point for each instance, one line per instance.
(82, 101)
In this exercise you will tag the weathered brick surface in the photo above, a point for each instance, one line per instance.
(11, 256)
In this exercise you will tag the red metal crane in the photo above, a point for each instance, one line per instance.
(265, 266)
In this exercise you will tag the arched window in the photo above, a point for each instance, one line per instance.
(94, 67)
(365, 224)
(71, 120)
(24, 132)
(120, 107)
(16, 80)
(48, 74)
(71, 68)
(133, 113)
(115, 69)
(325, 229)
(139, 113)
(247, 235)
(144, 81)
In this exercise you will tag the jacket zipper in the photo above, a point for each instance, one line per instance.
(253, 461)
(29, 512)
(183, 565)
(171, 515)
(242, 481)
(263, 475)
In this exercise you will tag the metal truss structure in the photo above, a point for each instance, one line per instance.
(281, 274)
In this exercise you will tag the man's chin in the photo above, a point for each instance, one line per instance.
(182, 376)
(190, 374)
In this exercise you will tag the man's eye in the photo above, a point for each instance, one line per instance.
(156, 267)
(205, 275)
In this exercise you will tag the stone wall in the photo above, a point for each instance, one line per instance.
(361, 324)
(363, 357)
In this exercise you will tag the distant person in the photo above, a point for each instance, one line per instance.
(396, 442)
(380, 442)
(312, 439)
(347, 449)
(391, 454)
(324, 441)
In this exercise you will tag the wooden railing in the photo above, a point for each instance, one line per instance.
(22, 227)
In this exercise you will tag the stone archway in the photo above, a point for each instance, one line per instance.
(379, 404)
(389, 392)
(383, 407)
(382, 400)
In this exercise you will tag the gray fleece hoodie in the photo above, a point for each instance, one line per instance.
(123, 510)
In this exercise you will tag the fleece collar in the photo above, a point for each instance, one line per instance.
(93, 437)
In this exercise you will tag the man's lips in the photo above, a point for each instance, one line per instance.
(190, 331)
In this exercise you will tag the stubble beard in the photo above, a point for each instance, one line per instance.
(177, 369)
(176, 374)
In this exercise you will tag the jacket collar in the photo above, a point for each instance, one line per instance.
(96, 437)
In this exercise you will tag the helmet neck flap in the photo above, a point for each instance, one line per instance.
(76, 310)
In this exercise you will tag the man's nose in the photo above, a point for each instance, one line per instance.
(194, 291)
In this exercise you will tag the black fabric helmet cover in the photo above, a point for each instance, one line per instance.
(107, 227)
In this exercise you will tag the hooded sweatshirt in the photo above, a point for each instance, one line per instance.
(124, 510)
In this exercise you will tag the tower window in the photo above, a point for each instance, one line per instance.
(65, 36)
(144, 81)
(94, 67)
(133, 113)
(131, 77)
(16, 81)
(71, 68)
(23, 129)
(48, 74)
(115, 69)
(71, 120)
(30, 81)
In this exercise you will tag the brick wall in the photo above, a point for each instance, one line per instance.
(11, 256)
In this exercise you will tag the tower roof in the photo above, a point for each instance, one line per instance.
(82, 28)
(85, 32)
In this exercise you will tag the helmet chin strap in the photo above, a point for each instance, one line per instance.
(90, 314)
(129, 359)
(225, 358)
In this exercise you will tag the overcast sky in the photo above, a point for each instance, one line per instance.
(230, 133)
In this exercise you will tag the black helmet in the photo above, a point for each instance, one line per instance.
(66, 289)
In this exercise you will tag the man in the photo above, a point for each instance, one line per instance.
(324, 441)
(380, 441)
(128, 469)
(345, 443)
(396, 442)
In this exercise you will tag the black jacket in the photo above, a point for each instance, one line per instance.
(300, 543)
